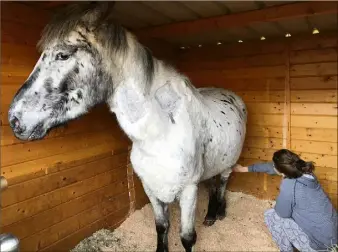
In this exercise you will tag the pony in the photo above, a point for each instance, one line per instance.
(180, 135)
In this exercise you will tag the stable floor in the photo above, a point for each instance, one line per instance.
(242, 230)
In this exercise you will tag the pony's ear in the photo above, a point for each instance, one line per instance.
(99, 11)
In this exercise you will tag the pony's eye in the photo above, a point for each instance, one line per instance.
(62, 56)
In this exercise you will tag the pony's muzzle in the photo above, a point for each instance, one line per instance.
(16, 126)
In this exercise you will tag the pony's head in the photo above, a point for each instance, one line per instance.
(71, 74)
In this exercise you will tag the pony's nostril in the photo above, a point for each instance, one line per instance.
(15, 124)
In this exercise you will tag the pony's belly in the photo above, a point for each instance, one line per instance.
(164, 176)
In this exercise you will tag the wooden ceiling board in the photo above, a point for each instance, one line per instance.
(205, 8)
(174, 10)
(141, 12)
(266, 29)
(240, 6)
(275, 3)
(295, 26)
(324, 22)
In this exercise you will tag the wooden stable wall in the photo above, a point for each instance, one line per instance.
(290, 89)
(70, 184)
(62, 188)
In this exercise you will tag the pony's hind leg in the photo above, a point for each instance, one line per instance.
(217, 202)
(210, 218)
(221, 212)
(161, 212)
(188, 199)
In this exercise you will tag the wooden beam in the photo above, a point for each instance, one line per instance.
(275, 13)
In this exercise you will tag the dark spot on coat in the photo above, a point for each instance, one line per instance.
(81, 64)
(228, 123)
(232, 109)
(48, 85)
(79, 94)
(74, 100)
(225, 101)
(36, 93)
(76, 70)
(222, 112)
(44, 57)
(210, 139)
(215, 122)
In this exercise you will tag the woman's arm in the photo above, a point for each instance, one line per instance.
(259, 167)
(285, 200)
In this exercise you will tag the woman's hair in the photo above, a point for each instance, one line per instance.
(290, 164)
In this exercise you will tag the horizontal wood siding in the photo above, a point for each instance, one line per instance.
(73, 182)
(290, 89)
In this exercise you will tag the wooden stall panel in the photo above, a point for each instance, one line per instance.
(313, 72)
(72, 182)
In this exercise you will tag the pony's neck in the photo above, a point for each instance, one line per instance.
(135, 67)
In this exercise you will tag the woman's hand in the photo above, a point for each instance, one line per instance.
(239, 168)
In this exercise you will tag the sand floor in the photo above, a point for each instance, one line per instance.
(242, 230)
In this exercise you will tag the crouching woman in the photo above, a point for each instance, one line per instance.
(303, 217)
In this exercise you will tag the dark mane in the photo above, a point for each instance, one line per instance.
(88, 14)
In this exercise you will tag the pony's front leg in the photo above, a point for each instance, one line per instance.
(188, 201)
(161, 212)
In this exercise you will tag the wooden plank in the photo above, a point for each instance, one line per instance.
(230, 63)
(248, 183)
(313, 56)
(216, 52)
(271, 14)
(37, 168)
(41, 203)
(317, 96)
(267, 131)
(314, 109)
(314, 69)
(73, 224)
(314, 147)
(322, 160)
(22, 34)
(311, 83)
(321, 122)
(257, 153)
(330, 187)
(262, 96)
(266, 155)
(313, 134)
(263, 142)
(32, 188)
(20, 13)
(324, 40)
(18, 55)
(14, 70)
(255, 72)
(39, 149)
(239, 85)
(214, 77)
(66, 210)
(265, 108)
(111, 221)
(326, 173)
(265, 120)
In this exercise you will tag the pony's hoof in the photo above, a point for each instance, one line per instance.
(221, 216)
(208, 222)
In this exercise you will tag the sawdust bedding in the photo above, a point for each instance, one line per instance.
(242, 230)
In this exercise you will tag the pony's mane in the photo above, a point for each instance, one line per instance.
(91, 14)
